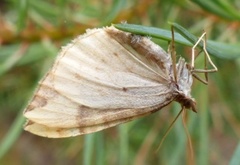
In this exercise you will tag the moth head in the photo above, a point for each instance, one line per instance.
(187, 102)
(190, 103)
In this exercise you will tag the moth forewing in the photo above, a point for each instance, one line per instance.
(103, 78)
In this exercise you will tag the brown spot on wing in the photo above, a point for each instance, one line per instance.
(124, 89)
(115, 54)
(41, 96)
(140, 44)
(38, 101)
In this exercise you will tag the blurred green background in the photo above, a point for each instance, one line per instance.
(32, 33)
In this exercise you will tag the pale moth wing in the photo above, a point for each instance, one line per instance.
(104, 78)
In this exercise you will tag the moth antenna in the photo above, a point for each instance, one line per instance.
(173, 55)
(168, 130)
(191, 159)
(207, 59)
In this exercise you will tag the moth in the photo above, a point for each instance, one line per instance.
(106, 77)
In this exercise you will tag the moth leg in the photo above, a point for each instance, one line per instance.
(172, 51)
(206, 60)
